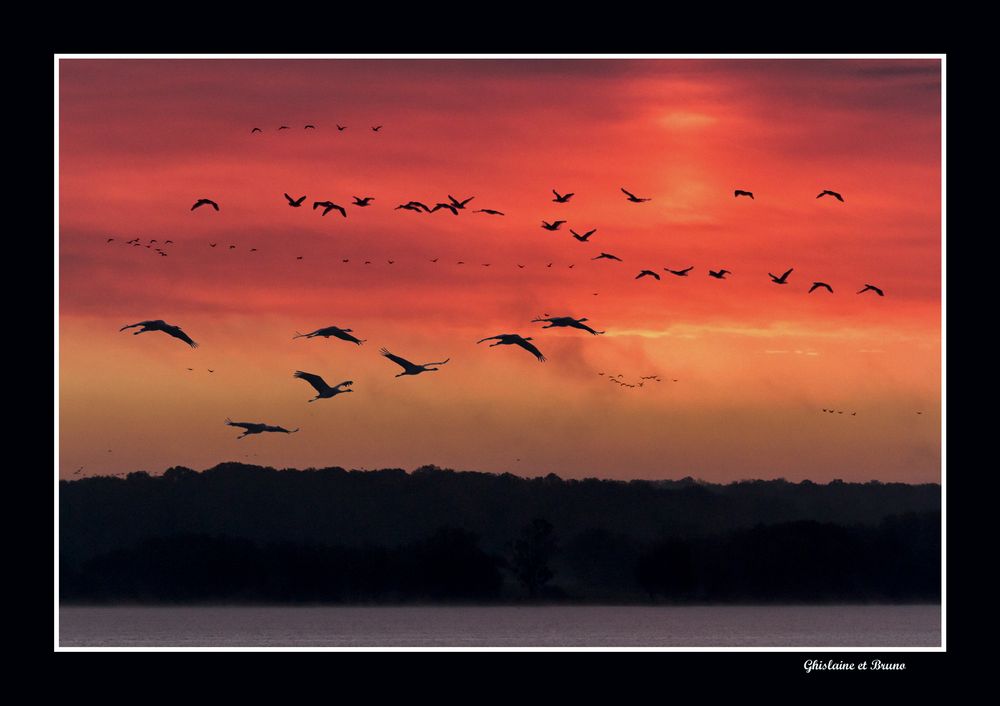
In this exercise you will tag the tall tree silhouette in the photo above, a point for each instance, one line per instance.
(531, 553)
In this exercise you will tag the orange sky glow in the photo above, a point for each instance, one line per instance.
(754, 362)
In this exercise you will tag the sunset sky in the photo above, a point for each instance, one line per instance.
(755, 363)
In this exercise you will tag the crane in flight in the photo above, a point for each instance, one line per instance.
(632, 197)
(558, 321)
(872, 288)
(257, 428)
(506, 339)
(205, 202)
(323, 391)
(408, 367)
(780, 280)
(160, 325)
(343, 334)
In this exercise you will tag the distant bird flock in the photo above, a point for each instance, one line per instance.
(453, 206)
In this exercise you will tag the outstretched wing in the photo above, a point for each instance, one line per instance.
(290, 199)
(528, 346)
(344, 335)
(628, 193)
(315, 380)
(788, 272)
(244, 425)
(176, 332)
(343, 211)
(490, 338)
(402, 362)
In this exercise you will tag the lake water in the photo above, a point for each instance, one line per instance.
(503, 626)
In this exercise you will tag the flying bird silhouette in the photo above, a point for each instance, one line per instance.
(376, 128)
(740, 192)
(780, 280)
(506, 339)
(408, 367)
(309, 127)
(558, 321)
(413, 206)
(160, 325)
(552, 226)
(606, 256)
(680, 273)
(721, 274)
(834, 194)
(583, 238)
(561, 198)
(459, 204)
(109, 240)
(323, 390)
(343, 334)
(490, 211)
(256, 129)
(257, 428)
(212, 245)
(817, 285)
(293, 202)
(632, 197)
(284, 127)
(205, 202)
(644, 273)
(329, 206)
(341, 128)
(454, 211)
(359, 201)
(873, 288)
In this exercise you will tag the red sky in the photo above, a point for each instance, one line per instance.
(754, 362)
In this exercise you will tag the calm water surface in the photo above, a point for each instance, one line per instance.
(503, 626)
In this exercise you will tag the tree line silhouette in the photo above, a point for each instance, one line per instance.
(240, 533)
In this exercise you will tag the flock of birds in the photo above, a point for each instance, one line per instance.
(326, 391)
(310, 126)
(454, 206)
